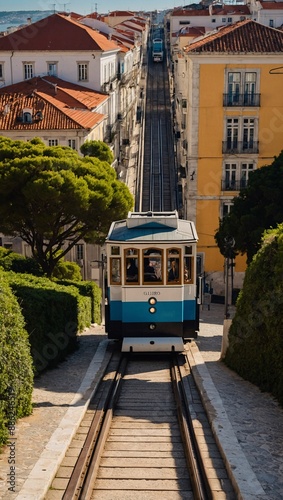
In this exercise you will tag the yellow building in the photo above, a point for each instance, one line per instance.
(229, 112)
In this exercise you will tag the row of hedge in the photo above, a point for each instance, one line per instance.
(39, 322)
(256, 335)
(16, 372)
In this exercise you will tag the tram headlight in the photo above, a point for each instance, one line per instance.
(152, 310)
(152, 326)
(152, 301)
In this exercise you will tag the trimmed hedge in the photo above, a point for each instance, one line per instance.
(11, 261)
(88, 289)
(256, 335)
(53, 314)
(16, 373)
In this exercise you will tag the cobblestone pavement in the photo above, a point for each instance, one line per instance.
(256, 419)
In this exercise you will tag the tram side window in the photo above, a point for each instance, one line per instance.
(173, 265)
(188, 265)
(115, 266)
(152, 265)
(132, 265)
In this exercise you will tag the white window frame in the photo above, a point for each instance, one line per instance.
(236, 174)
(53, 142)
(243, 80)
(241, 126)
(83, 69)
(28, 68)
(72, 143)
(225, 207)
(52, 68)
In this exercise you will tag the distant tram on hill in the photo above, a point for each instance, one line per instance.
(157, 50)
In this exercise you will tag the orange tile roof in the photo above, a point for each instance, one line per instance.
(56, 32)
(242, 37)
(120, 13)
(63, 105)
(187, 12)
(272, 5)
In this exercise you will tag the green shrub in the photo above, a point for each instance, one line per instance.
(16, 372)
(53, 314)
(88, 289)
(11, 261)
(65, 270)
(256, 334)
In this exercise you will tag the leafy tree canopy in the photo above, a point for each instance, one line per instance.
(52, 198)
(257, 207)
(98, 149)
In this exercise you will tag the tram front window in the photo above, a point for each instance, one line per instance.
(132, 265)
(152, 265)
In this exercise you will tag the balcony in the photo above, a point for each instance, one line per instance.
(240, 147)
(232, 185)
(237, 100)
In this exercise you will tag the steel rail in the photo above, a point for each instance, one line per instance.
(196, 469)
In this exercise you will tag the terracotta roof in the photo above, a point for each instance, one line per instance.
(120, 13)
(236, 10)
(56, 32)
(272, 5)
(242, 37)
(191, 31)
(188, 12)
(62, 104)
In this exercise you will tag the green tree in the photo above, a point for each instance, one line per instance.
(258, 207)
(98, 149)
(52, 198)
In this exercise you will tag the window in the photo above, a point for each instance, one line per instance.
(248, 133)
(271, 23)
(132, 265)
(83, 71)
(152, 265)
(28, 71)
(53, 142)
(115, 266)
(232, 133)
(173, 266)
(241, 135)
(72, 143)
(213, 20)
(225, 208)
(184, 22)
(52, 68)
(1, 71)
(241, 88)
(27, 117)
(236, 175)
(223, 19)
(79, 249)
(229, 19)
(188, 265)
(246, 169)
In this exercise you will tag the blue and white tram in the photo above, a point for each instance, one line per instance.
(152, 302)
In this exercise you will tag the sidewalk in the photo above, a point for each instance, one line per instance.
(247, 423)
(252, 438)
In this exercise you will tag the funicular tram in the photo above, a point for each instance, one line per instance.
(152, 289)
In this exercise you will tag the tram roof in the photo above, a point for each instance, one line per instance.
(155, 227)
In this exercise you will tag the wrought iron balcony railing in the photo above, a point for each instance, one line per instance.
(235, 99)
(232, 185)
(237, 147)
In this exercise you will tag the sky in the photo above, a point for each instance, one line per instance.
(86, 6)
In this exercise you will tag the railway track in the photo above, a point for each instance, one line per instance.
(158, 183)
(145, 435)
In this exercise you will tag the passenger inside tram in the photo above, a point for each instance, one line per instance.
(132, 271)
(149, 271)
(173, 273)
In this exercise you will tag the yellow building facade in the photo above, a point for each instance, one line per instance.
(230, 112)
